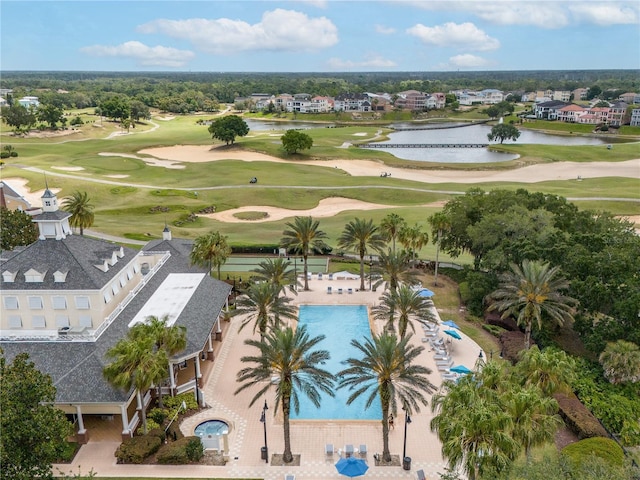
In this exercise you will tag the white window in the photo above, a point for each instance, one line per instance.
(15, 321)
(82, 303)
(107, 297)
(38, 321)
(59, 303)
(85, 321)
(33, 276)
(115, 289)
(8, 276)
(59, 277)
(35, 303)
(62, 321)
(123, 280)
(130, 274)
(136, 268)
(11, 303)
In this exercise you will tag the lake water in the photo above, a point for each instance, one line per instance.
(339, 324)
(466, 134)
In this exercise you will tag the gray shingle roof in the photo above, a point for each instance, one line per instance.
(76, 367)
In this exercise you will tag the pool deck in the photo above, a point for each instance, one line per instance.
(308, 438)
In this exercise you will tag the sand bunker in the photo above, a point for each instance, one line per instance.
(20, 186)
(327, 207)
(69, 169)
(368, 168)
(152, 162)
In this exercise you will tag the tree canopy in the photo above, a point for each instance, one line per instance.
(228, 128)
(32, 431)
(16, 228)
(502, 132)
(293, 141)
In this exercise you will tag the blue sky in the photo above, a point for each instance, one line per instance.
(319, 35)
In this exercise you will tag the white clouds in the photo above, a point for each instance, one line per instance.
(463, 36)
(371, 62)
(157, 56)
(278, 30)
(468, 61)
(606, 14)
(384, 30)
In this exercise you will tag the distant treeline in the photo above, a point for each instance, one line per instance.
(172, 89)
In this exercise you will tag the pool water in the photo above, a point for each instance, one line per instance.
(212, 427)
(340, 324)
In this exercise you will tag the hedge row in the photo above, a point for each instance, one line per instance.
(182, 451)
(578, 417)
(136, 449)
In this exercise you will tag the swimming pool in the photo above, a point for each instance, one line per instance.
(340, 324)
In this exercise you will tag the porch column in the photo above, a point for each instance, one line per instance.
(82, 436)
(198, 373)
(126, 433)
(172, 379)
(210, 349)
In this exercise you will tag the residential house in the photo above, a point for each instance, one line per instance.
(630, 98)
(571, 113)
(411, 100)
(352, 102)
(562, 95)
(67, 299)
(635, 117)
(27, 102)
(580, 94)
(548, 110)
(618, 114)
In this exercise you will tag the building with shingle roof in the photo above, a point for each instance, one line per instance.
(68, 299)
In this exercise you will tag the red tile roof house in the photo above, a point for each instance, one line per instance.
(67, 299)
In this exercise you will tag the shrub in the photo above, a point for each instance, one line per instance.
(13, 154)
(4, 154)
(158, 432)
(604, 448)
(181, 451)
(578, 418)
(176, 402)
(136, 449)
(158, 415)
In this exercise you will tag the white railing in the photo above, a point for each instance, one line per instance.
(133, 423)
(185, 387)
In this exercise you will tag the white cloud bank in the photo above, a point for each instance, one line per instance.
(371, 62)
(144, 55)
(278, 30)
(463, 36)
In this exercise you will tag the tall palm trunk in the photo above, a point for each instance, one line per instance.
(386, 454)
(287, 456)
(143, 413)
(306, 269)
(362, 273)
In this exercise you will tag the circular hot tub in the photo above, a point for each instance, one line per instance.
(212, 428)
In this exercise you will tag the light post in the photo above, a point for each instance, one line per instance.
(263, 420)
(406, 462)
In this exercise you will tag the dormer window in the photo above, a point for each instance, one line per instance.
(60, 277)
(8, 276)
(114, 259)
(120, 252)
(33, 276)
(104, 266)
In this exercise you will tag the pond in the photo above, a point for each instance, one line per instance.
(466, 134)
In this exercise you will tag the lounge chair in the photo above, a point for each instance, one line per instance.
(328, 450)
(319, 276)
(329, 290)
(421, 475)
(289, 476)
(339, 291)
(331, 276)
(348, 450)
(363, 450)
(349, 290)
(308, 276)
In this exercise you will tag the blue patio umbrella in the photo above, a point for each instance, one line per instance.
(454, 334)
(425, 292)
(460, 369)
(451, 323)
(351, 467)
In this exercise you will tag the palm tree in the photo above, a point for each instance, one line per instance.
(391, 226)
(263, 305)
(621, 362)
(81, 210)
(209, 251)
(530, 293)
(289, 355)
(413, 239)
(535, 418)
(171, 339)
(394, 268)
(473, 428)
(303, 236)
(406, 304)
(277, 272)
(551, 370)
(439, 225)
(136, 363)
(360, 235)
(387, 370)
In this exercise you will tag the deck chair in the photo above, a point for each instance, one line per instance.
(339, 291)
(329, 290)
(331, 276)
(349, 290)
(328, 450)
(289, 476)
(363, 450)
(421, 475)
(348, 450)
(319, 276)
